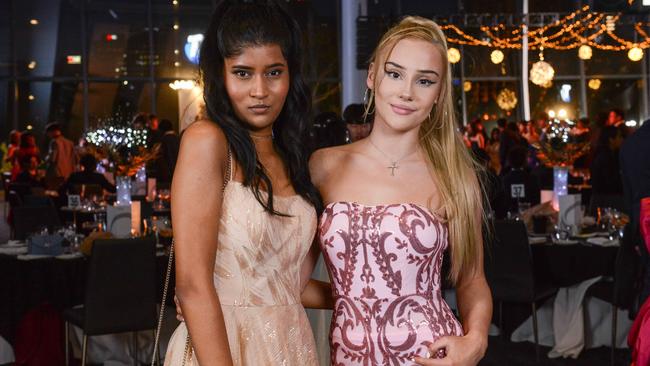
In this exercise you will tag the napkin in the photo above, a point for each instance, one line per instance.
(14, 250)
(29, 257)
(70, 256)
(537, 240)
(603, 242)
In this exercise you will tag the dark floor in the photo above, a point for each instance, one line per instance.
(502, 352)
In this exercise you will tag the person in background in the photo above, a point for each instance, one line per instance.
(606, 182)
(518, 184)
(27, 147)
(510, 138)
(358, 125)
(635, 173)
(169, 145)
(473, 137)
(61, 157)
(86, 176)
(9, 157)
(328, 130)
(616, 117)
(154, 129)
(28, 174)
(492, 150)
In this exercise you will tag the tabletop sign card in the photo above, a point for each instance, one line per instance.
(118, 220)
(517, 191)
(570, 213)
(74, 200)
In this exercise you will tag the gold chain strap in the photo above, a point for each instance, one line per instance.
(187, 353)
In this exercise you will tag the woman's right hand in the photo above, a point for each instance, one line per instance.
(179, 311)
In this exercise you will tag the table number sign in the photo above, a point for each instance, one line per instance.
(74, 200)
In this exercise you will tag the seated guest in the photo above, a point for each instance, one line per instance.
(87, 176)
(28, 172)
(518, 184)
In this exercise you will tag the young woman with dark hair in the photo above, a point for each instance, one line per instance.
(241, 251)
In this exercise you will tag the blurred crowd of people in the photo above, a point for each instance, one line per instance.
(65, 166)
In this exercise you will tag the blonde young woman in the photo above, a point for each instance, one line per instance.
(394, 202)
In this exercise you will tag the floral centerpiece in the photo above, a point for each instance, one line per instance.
(126, 149)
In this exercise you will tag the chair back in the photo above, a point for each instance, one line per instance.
(121, 286)
(626, 269)
(29, 219)
(509, 264)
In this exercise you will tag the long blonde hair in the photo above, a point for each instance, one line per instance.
(454, 169)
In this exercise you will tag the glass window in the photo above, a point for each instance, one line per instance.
(68, 54)
(477, 61)
(40, 103)
(118, 39)
(119, 101)
(5, 110)
(563, 62)
(562, 94)
(167, 103)
(482, 103)
(625, 94)
(178, 33)
(611, 63)
(5, 40)
(35, 37)
(326, 97)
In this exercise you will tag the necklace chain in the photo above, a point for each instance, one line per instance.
(393, 162)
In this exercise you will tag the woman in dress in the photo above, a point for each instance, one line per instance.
(383, 242)
(240, 250)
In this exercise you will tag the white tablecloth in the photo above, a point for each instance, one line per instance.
(6, 352)
(569, 323)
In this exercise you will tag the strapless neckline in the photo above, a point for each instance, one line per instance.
(434, 216)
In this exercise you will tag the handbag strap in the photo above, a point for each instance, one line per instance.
(188, 348)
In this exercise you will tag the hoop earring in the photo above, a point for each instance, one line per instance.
(368, 99)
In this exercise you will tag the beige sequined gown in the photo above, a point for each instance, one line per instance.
(257, 277)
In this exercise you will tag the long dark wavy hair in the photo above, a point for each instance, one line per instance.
(234, 26)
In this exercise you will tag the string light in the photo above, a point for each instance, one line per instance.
(496, 56)
(594, 84)
(584, 52)
(453, 55)
(635, 54)
(582, 29)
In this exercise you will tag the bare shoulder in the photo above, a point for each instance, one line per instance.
(323, 161)
(205, 138)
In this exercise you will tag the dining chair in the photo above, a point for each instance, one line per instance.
(509, 270)
(120, 292)
(622, 289)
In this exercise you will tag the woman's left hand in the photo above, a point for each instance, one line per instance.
(467, 350)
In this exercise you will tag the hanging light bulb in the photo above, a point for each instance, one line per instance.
(496, 56)
(453, 54)
(467, 86)
(635, 53)
(594, 84)
(584, 52)
(542, 72)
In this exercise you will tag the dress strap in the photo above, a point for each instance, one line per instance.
(228, 174)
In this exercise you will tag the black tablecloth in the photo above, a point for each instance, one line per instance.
(26, 284)
(567, 265)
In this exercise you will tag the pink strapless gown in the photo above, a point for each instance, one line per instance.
(384, 264)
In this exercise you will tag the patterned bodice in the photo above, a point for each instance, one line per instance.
(384, 263)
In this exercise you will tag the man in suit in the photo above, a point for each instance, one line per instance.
(635, 168)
